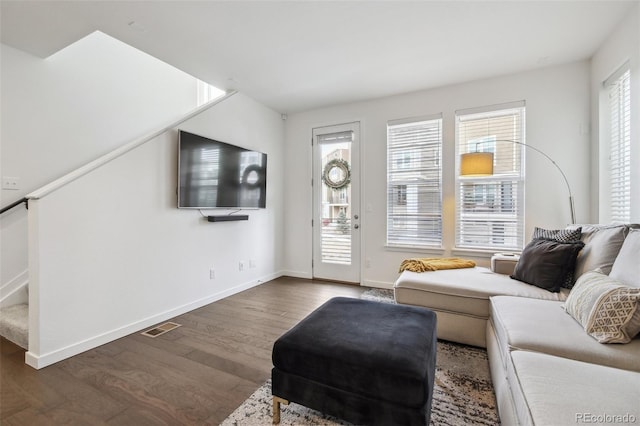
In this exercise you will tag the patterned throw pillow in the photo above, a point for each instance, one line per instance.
(562, 236)
(608, 310)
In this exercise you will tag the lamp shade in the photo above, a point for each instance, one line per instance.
(476, 164)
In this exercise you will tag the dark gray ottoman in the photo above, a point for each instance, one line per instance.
(364, 362)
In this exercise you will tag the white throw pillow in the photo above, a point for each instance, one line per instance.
(608, 310)
(626, 267)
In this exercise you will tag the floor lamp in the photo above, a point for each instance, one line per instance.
(481, 164)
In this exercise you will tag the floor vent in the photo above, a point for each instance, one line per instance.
(161, 329)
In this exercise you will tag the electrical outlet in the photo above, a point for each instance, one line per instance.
(241, 266)
(212, 274)
(252, 263)
(11, 183)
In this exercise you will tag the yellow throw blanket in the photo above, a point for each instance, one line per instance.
(435, 263)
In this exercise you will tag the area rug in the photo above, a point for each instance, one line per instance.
(463, 395)
(378, 295)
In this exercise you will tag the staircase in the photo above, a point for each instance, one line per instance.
(14, 324)
(14, 314)
(14, 299)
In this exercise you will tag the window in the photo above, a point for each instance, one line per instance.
(619, 90)
(206, 92)
(414, 182)
(490, 209)
(401, 191)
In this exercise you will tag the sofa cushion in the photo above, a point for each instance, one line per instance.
(466, 291)
(551, 390)
(543, 326)
(626, 267)
(547, 263)
(608, 310)
(601, 246)
(563, 236)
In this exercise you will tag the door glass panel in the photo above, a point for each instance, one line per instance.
(335, 235)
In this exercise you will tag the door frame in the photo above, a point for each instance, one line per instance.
(354, 273)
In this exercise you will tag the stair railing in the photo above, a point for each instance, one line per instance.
(24, 200)
(70, 177)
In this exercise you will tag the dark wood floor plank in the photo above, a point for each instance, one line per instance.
(240, 330)
(33, 387)
(12, 399)
(196, 374)
(28, 416)
(80, 396)
(151, 392)
(214, 382)
(71, 413)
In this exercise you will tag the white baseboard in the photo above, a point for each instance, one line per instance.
(377, 284)
(298, 274)
(13, 292)
(40, 361)
(364, 283)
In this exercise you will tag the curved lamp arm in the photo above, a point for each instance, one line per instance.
(566, 181)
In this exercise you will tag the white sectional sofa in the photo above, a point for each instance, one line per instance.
(546, 369)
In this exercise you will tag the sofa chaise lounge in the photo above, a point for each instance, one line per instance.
(546, 369)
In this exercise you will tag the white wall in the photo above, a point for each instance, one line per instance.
(110, 254)
(61, 112)
(621, 46)
(557, 114)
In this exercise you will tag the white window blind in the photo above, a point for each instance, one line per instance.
(414, 182)
(619, 88)
(490, 209)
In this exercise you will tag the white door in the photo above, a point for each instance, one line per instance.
(336, 198)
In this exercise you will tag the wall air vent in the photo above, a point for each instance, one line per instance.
(161, 329)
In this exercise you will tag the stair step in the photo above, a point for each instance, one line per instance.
(14, 324)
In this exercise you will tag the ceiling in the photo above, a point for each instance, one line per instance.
(298, 55)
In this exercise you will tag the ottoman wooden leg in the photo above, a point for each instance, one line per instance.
(276, 408)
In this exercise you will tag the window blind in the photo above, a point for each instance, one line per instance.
(490, 209)
(414, 182)
(620, 145)
(336, 137)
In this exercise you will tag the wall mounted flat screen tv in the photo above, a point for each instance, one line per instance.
(214, 174)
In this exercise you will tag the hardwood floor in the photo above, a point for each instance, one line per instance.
(196, 374)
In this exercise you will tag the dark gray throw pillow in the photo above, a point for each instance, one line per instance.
(546, 263)
(563, 236)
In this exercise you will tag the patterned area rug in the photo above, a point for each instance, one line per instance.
(463, 393)
(379, 295)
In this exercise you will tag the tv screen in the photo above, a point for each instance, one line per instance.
(214, 174)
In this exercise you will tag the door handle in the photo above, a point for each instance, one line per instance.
(356, 226)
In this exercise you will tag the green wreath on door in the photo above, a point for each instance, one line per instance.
(344, 171)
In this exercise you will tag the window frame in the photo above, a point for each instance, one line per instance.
(425, 197)
(501, 225)
(619, 173)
